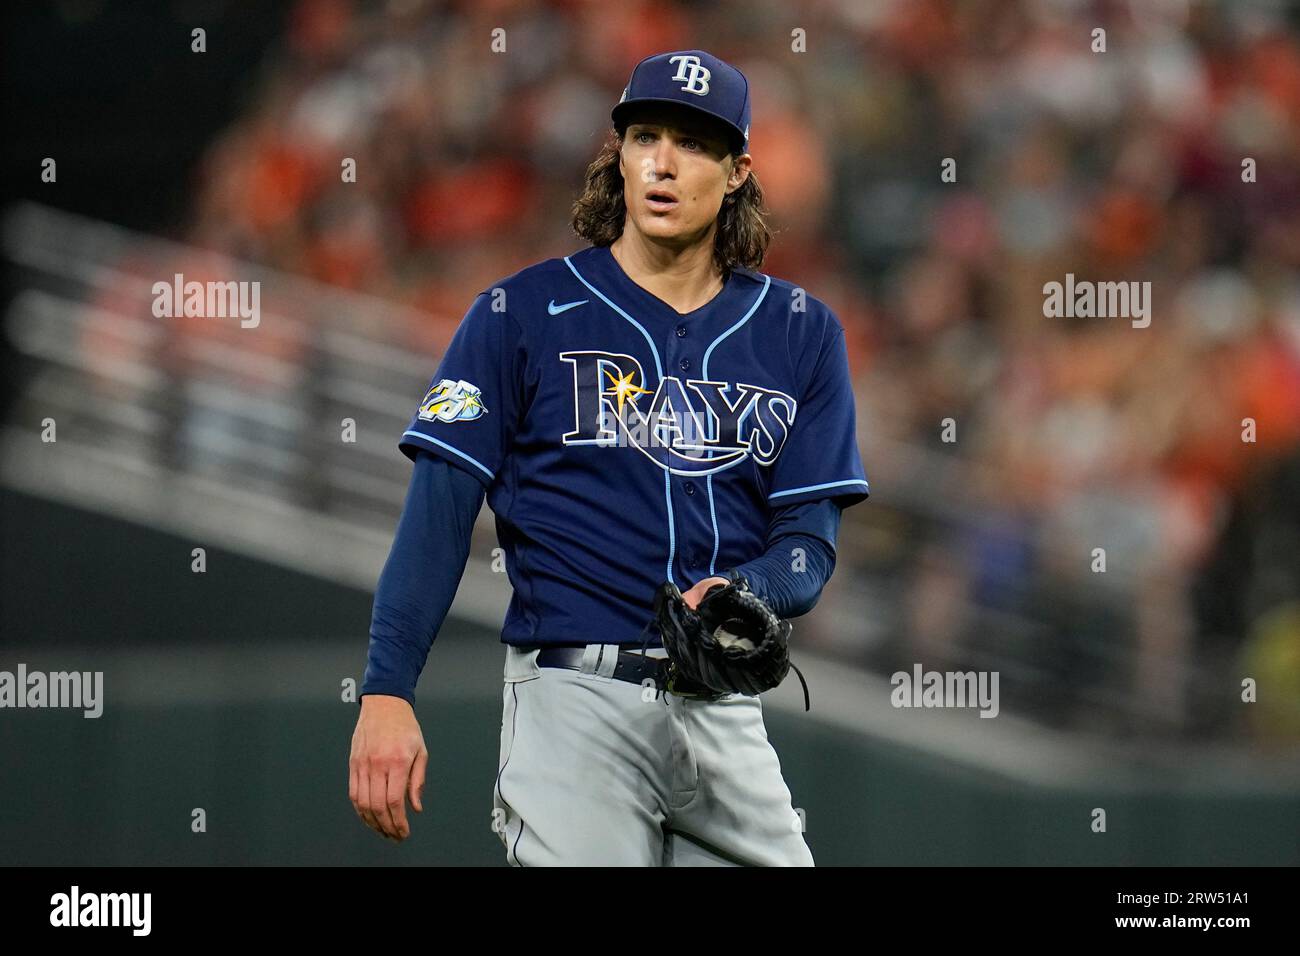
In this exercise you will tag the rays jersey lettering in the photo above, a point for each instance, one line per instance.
(700, 426)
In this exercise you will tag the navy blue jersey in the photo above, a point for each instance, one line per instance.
(622, 443)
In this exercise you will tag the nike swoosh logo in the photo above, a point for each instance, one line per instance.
(557, 309)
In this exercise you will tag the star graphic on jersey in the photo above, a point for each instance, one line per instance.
(624, 389)
(471, 402)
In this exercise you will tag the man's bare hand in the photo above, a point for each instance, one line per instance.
(387, 765)
(695, 595)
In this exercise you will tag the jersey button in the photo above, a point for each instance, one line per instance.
(681, 331)
(690, 488)
(684, 364)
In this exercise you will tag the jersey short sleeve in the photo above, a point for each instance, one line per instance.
(469, 411)
(820, 458)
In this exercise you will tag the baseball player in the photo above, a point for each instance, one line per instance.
(655, 425)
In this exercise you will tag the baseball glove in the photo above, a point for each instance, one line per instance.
(731, 643)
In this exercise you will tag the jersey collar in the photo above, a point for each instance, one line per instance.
(599, 267)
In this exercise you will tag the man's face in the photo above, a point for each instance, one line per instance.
(676, 169)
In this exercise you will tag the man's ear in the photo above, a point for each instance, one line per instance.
(740, 166)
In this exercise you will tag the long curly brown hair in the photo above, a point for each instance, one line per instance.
(742, 235)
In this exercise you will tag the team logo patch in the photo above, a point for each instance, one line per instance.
(695, 75)
(452, 401)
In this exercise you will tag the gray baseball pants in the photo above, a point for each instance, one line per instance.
(601, 772)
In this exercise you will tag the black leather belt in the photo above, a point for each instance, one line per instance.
(633, 667)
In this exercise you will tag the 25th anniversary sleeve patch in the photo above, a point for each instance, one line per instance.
(452, 401)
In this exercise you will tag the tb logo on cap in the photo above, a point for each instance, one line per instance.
(697, 81)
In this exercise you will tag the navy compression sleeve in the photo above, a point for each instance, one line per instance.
(421, 575)
(812, 528)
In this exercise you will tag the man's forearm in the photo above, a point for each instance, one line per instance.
(799, 559)
(421, 575)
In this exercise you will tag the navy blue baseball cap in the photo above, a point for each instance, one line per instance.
(695, 79)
